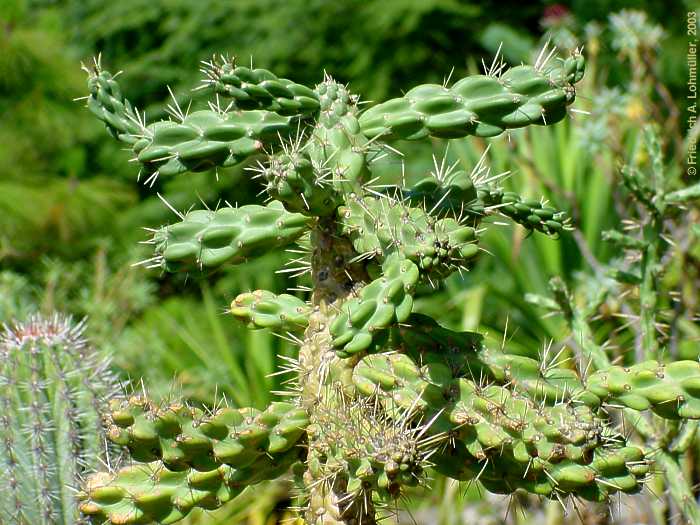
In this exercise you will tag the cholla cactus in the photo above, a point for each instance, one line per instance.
(52, 389)
(382, 393)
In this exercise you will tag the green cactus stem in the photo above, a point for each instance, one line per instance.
(52, 387)
(480, 105)
(258, 88)
(208, 239)
(263, 309)
(183, 437)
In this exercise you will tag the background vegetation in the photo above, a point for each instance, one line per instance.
(71, 211)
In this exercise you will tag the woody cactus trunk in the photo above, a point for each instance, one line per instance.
(382, 394)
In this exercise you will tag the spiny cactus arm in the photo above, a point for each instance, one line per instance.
(295, 180)
(149, 492)
(611, 471)
(207, 139)
(666, 463)
(108, 104)
(195, 141)
(263, 309)
(492, 424)
(258, 88)
(480, 105)
(387, 300)
(456, 195)
(208, 239)
(465, 353)
(379, 227)
(336, 142)
(529, 213)
(183, 437)
(671, 390)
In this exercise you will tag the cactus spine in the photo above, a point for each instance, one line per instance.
(52, 387)
(383, 393)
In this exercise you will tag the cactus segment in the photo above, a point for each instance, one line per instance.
(182, 437)
(493, 425)
(380, 304)
(480, 105)
(531, 214)
(108, 104)
(466, 355)
(150, 492)
(457, 196)
(52, 386)
(208, 139)
(196, 141)
(671, 391)
(302, 187)
(259, 89)
(380, 227)
(263, 309)
(207, 239)
(336, 143)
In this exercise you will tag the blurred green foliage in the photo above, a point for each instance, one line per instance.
(71, 210)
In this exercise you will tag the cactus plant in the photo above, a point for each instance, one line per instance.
(52, 389)
(382, 393)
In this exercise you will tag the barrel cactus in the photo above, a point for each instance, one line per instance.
(383, 394)
(53, 386)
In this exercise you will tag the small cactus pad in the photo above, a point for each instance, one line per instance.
(304, 188)
(263, 309)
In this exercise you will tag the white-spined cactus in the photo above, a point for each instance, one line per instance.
(53, 387)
